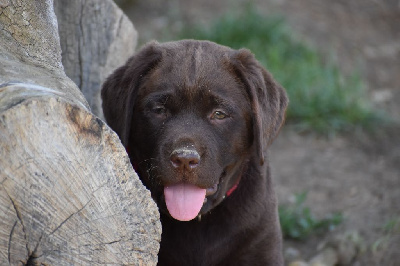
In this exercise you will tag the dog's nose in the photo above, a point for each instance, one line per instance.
(184, 159)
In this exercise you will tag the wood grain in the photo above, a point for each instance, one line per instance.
(96, 37)
(68, 194)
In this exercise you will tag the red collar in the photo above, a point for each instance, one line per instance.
(230, 191)
(235, 186)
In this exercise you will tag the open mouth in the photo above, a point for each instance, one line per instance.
(184, 201)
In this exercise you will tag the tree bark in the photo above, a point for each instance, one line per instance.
(68, 194)
(96, 37)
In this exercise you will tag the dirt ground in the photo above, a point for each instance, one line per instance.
(356, 174)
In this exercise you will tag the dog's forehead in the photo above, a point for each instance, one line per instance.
(218, 85)
(194, 72)
(192, 63)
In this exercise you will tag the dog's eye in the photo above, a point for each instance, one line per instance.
(159, 110)
(219, 115)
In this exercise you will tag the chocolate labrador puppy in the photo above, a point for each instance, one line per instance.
(196, 119)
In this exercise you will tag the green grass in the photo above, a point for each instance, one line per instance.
(392, 226)
(390, 229)
(298, 222)
(321, 98)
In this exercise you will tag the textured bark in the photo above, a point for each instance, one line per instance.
(68, 194)
(29, 47)
(96, 37)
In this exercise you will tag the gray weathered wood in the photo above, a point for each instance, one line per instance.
(96, 37)
(29, 47)
(68, 194)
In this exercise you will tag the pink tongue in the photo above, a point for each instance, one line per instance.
(184, 200)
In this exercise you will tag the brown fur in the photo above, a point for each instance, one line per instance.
(164, 99)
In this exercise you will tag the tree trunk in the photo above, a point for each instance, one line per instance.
(68, 194)
(96, 37)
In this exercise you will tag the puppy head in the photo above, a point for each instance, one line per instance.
(192, 114)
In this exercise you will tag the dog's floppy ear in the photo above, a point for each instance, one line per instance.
(268, 99)
(119, 91)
